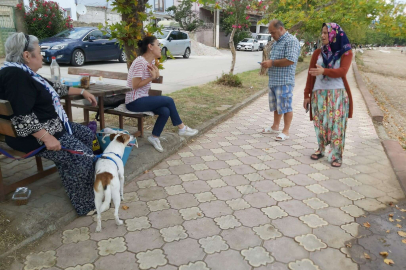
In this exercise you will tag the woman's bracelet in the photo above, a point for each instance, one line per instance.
(45, 133)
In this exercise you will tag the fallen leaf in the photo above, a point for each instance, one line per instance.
(404, 241)
(367, 225)
(367, 256)
(146, 171)
(401, 233)
(125, 207)
(199, 214)
(389, 261)
(388, 231)
(391, 204)
(391, 215)
(384, 253)
(398, 225)
(391, 219)
(348, 245)
(403, 210)
(398, 220)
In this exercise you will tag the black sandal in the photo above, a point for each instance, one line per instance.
(318, 156)
(337, 162)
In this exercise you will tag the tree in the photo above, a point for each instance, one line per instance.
(185, 16)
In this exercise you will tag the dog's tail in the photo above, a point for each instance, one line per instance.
(103, 181)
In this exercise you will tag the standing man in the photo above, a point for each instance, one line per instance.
(281, 70)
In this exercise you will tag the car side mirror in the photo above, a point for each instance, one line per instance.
(170, 39)
(92, 38)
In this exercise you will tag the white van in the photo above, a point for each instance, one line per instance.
(263, 40)
(176, 42)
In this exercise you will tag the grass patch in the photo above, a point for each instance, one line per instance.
(358, 59)
(199, 104)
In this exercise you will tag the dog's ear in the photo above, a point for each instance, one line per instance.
(112, 136)
(126, 137)
(121, 138)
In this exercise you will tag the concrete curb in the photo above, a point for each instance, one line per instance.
(397, 157)
(374, 110)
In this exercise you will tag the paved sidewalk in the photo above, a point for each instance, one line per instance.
(236, 199)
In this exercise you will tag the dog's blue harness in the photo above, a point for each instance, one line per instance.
(102, 156)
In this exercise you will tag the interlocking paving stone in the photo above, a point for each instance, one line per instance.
(175, 190)
(316, 188)
(353, 210)
(267, 232)
(303, 264)
(274, 212)
(151, 259)
(76, 235)
(369, 205)
(229, 259)
(235, 180)
(295, 208)
(226, 193)
(165, 218)
(213, 244)
(325, 257)
(284, 182)
(109, 230)
(227, 222)
(315, 203)
(216, 183)
(137, 224)
(259, 200)
(197, 186)
(334, 216)
(257, 256)
(310, 242)
(313, 221)
(182, 201)
(76, 253)
(40, 260)
(146, 183)
(238, 204)
(183, 251)
(205, 197)
(251, 217)
(333, 236)
(351, 182)
(351, 228)
(188, 177)
(111, 246)
(241, 238)
(79, 267)
(147, 239)
(158, 205)
(291, 227)
(279, 196)
(195, 266)
(200, 228)
(285, 249)
(174, 233)
(318, 176)
(191, 213)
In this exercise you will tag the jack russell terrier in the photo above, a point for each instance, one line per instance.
(109, 181)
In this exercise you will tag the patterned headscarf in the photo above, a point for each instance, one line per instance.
(338, 44)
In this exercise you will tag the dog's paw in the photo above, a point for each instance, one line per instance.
(119, 222)
(98, 229)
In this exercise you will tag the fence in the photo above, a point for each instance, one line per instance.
(7, 25)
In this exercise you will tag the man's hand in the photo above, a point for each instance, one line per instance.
(267, 64)
(90, 98)
(319, 70)
(306, 103)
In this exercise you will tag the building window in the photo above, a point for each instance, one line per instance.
(160, 5)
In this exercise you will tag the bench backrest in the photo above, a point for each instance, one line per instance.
(6, 127)
(106, 74)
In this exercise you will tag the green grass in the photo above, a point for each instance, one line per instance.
(199, 104)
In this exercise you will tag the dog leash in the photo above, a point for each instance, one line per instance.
(36, 151)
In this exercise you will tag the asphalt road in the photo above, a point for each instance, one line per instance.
(180, 73)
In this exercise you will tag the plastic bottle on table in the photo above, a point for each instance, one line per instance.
(55, 71)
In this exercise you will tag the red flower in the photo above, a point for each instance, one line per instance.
(35, 9)
(50, 22)
(248, 7)
(48, 26)
(34, 19)
(231, 13)
(39, 19)
(247, 18)
(31, 4)
(239, 26)
(45, 15)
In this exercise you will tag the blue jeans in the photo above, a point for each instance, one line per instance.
(160, 105)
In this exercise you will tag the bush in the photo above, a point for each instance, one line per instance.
(45, 18)
(229, 80)
(300, 59)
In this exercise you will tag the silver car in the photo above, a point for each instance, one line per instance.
(176, 42)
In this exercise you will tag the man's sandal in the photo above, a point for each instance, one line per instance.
(316, 156)
(336, 163)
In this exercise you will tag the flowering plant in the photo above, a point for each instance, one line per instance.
(44, 18)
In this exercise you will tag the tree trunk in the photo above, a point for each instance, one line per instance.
(134, 19)
(232, 48)
(265, 56)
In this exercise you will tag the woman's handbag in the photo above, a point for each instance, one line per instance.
(111, 102)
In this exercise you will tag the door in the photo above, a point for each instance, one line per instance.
(111, 47)
(173, 45)
(94, 46)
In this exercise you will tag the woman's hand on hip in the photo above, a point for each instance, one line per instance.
(51, 143)
(306, 101)
(319, 70)
(90, 97)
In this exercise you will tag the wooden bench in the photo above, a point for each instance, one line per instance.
(7, 128)
(121, 115)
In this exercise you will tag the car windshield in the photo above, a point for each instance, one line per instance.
(73, 33)
(163, 35)
(247, 40)
(262, 37)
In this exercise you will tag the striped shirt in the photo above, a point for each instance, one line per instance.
(138, 69)
(286, 47)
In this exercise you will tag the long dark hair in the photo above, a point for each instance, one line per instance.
(143, 44)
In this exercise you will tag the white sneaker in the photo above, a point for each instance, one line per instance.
(156, 143)
(187, 131)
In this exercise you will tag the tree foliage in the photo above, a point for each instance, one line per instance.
(185, 16)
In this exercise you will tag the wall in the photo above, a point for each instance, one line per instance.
(224, 40)
(99, 15)
(204, 36)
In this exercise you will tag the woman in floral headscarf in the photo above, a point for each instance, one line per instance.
(328, 94)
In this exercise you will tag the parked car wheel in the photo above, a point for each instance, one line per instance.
(164, 51)
(187, 53)
(78, 58)
(123, 57)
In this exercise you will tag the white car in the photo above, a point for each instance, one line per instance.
(176, 42)
(248, 44)
(263, 39)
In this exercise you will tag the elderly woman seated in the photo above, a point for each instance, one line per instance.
(39, 119)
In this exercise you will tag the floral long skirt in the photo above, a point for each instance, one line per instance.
(330, 114)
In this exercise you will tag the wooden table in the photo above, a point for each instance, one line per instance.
(99, 91)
